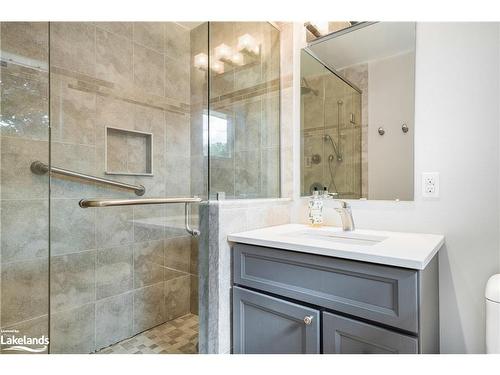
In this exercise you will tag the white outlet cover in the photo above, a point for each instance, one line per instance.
(430, 185)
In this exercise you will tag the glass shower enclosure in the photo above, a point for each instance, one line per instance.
(331, 131)
(98, 119)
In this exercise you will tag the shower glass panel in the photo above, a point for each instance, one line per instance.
(331, 131)
(125, 104)
(244, 113)
(120, 109)
(24, 204)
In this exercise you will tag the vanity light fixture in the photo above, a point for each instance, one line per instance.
(201, 61)
(248, 44)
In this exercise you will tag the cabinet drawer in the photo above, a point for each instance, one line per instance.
(383, 294)
(268, 325)
(348, 336)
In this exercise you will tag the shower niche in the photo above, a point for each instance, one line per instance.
(128, 152)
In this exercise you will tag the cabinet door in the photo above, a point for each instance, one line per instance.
(268, 325)
(348, 336)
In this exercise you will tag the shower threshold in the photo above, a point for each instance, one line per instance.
(178, 336)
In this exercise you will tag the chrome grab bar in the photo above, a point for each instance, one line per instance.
(87, 203)
(41, 168)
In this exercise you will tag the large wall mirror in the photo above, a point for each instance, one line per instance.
(357, 112)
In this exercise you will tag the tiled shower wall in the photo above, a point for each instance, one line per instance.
(114, 271)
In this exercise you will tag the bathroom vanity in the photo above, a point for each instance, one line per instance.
(298, 289)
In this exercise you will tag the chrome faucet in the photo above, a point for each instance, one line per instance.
(345, 215)
(344, 211)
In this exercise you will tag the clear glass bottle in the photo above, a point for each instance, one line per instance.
(316, 209)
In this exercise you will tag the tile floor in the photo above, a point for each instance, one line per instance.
(178, 336)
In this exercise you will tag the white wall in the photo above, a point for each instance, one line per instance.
(390, 104)
(456, 134)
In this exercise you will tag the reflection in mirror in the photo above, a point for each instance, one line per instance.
(357, 112)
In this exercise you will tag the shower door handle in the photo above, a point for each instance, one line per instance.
(98, 203)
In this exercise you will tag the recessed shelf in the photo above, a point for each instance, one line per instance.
(128, 152)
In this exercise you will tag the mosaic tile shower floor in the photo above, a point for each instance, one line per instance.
(178, 336)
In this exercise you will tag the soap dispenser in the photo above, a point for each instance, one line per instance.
(316, 209)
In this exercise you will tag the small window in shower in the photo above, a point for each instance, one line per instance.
(219, 134)
(129, 152)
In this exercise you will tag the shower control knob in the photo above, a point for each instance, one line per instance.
(381, 131)
(308, 319)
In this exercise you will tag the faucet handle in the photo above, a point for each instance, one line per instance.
(343, 204)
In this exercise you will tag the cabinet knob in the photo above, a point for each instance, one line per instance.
(308, 320)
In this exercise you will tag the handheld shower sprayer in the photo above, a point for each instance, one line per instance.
(336, 150)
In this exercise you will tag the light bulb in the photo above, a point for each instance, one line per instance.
(201, 61)
(223, 52)
(247, 42)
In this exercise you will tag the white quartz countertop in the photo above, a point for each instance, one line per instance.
(408, 250)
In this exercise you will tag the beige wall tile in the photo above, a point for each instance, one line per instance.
(72, 46)
(177, 42)
(114, 58)
(114, 317)
(114, 271)
(18, 182)
(24, 230)
(72, 280)
(72, 229)
(73, 112)
(120, 28)
(24, 291)
(147, 223)
(149, 310)
(177, 79)
(114, 226)
(73, 331)
(26, 39)
(178, 134)
(177, 297)
(148, 263)
(150, 34)
(149, 70)
(178, 253)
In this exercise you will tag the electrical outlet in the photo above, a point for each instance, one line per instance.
(430, 185)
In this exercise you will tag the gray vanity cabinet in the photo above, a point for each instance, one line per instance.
(268, 325)
(342, 335)
(281, 299)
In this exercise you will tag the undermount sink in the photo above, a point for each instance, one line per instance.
(351, 238)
